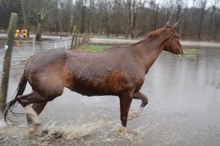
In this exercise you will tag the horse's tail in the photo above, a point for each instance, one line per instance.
(20, 90)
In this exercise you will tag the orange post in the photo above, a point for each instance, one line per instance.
(17, 33)
(24, 33)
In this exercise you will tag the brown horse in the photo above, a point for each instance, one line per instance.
(116, 71)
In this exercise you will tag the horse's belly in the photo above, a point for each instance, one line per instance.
(104, 87)
(106, 82)
(92, 91)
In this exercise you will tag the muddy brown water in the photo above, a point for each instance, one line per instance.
(183, 109)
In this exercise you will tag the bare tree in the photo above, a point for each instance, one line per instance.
(41, 9)
(26, 13)
(126, 17)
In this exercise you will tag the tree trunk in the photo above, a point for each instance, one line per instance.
(83, 19)
(28, 19)
(201, 19)
(38, 33)
(211, 27)
(179, 8)
(133, 19)
(156, 13)
(7, 59)
(128, 19)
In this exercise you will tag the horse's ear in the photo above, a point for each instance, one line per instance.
(175, 24)
(168, 23)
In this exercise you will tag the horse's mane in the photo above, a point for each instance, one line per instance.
(156, 32)
(153, 34)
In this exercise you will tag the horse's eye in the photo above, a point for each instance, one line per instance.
(177, 36)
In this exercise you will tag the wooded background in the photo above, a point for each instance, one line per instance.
(199, 19)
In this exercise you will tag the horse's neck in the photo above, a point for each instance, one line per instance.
(148, 50)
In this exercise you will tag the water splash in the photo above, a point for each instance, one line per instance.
(2, 124)
(69, 131)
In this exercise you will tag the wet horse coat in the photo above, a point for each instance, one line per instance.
(116, 71)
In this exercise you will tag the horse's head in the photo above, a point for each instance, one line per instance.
(173, 43)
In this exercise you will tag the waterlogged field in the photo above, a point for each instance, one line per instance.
(183, 107)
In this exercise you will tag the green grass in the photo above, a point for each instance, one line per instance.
(93, 48)
(191, 52)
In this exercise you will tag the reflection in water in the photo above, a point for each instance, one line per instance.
(183, 106)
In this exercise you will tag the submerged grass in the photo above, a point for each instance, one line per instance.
(191, 52)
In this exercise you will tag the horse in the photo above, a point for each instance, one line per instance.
(118, 71)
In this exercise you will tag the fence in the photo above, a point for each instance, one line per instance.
(78, 39)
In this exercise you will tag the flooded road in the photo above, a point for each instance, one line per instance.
(183, 109)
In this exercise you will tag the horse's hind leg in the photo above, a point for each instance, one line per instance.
(33, 98)
(38, 107)
(34, 118)
(26, 100)
(144, 99)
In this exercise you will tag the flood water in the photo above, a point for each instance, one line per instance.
(183, 109)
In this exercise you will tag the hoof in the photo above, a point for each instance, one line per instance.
(122, 131)
(33, 128)
(133, 115)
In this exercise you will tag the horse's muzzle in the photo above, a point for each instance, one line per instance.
(181, 54)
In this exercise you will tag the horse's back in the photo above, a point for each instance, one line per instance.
(40, 61)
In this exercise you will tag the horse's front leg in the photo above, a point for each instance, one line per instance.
(144, 99)
(125, 102)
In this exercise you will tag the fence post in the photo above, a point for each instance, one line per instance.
(34, 44)
(73, 37)
(7, 58)
(76, 39)
(79, 40)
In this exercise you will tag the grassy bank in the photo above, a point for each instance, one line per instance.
(94, 48)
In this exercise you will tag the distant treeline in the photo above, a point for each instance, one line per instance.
(130, 18)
